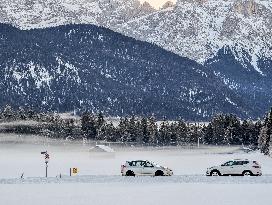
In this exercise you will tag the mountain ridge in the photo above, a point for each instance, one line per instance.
(89, 67)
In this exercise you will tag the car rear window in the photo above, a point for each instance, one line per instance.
(132, 163)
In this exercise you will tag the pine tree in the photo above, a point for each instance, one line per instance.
(22, 113)
(164, 133)
(152, 130)
(8, 113)
(193, 133)
(265, 134)
(208, 134)
(100, 120)
(88, 126)
(99, 124)
(182, 133)
(263, 138)
(139, 132)
(145, 133)
(245, 127)
(132, 129)
(218, 126)
(123, 129)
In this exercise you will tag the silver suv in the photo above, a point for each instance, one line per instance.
(144, 167)
(242, 167)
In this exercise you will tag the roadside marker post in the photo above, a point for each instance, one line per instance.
(73, 171)
(46, 160)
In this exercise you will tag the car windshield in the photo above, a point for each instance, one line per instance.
(155, 164)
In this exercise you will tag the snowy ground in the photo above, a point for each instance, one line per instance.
(99, 180)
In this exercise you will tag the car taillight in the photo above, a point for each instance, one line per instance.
(122, 167)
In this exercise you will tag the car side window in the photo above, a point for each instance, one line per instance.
(238, 163)
(148, 164)
(139, 163)
(143, 163)
(229, 163)
(133, 163)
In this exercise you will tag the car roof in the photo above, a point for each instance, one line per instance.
(241, 160)
(140, 160)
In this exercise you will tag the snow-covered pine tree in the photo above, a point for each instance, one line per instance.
(22, 113)
(8, 113)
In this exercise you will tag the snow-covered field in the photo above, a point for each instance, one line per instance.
(99, 180)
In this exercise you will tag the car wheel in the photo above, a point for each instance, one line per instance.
(159, 173)
(130, 173)
(247, 173)
(215, 173)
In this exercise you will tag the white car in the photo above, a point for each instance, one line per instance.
(242, 167)
(144, 167)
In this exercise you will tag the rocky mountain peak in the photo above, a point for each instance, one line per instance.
(147, 7)
(168, 4)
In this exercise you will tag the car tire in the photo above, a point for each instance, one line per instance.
(215, 173)
(130, 173)
(159, 173)
(247, 173)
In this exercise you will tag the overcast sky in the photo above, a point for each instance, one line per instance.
(156, 3)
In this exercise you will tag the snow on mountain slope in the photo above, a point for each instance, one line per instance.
(198, 29)
(85, 66)
(29, 14)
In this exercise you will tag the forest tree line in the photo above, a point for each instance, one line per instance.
(223, 129)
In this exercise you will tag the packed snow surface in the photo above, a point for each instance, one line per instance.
(99, 180)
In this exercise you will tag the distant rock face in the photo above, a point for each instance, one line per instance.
(147, 8)
(204, 30)
(199, 29)
(46, 13)
(88, 67)
(196, 29)
(168, 4)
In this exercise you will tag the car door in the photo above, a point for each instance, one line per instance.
(238, 167)
(138, 168)
(227, 168)
(148, 168)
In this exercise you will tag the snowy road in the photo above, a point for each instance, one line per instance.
(132, 193)
(99, 182)
(266, 179)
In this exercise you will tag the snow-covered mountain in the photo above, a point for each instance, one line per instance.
(29, 14)
(198, 29)
(232, 38)
(88, 67)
